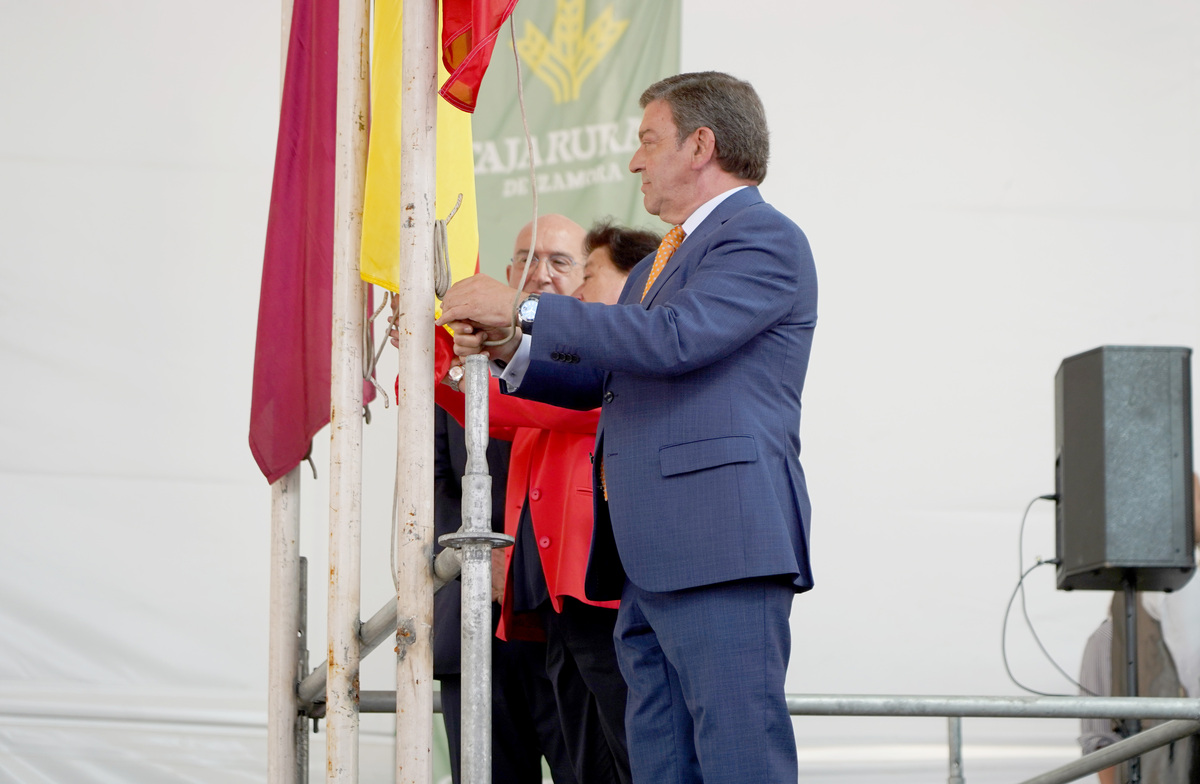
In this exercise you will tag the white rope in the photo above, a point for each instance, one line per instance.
(371, 355)
(532, 188)
(441, 253)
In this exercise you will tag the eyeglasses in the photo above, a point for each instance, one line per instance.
(559, 265)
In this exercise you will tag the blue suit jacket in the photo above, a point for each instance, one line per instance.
(700, 385)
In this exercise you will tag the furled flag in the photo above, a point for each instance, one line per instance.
(290, 399)
(469, 29)
(380, 260)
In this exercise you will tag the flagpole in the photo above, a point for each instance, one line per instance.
(346, 379)
(286, 7)
(414, 448)
(286, 764)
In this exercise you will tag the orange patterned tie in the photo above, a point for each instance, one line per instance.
(667, 247)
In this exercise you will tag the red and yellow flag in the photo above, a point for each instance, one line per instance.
(380, 259)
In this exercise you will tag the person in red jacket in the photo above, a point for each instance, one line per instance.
(549, 504)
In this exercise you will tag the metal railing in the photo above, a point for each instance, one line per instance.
(1182, 715)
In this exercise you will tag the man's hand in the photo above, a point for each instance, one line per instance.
(480, 300)
(469, 339)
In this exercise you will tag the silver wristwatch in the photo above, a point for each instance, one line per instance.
(526, 312)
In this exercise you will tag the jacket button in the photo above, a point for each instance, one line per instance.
(544, 542)
(555, 356)
(608, 397)
(535, 494)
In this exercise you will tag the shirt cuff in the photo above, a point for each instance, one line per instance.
(513, 373)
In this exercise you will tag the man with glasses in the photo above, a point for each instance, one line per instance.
(557, 265)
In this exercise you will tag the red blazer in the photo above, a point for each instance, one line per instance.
(551, 463)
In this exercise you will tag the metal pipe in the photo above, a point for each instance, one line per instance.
(1119, 752)
(955, 728)
(476, 763)
(475, 540)
(283, 714)
(1133, 726)
(1027, 707)
(286, 15)
(370, 701)
(301, 669)
(414, 443)
(38, 709)
(283, 644)
(1169, 708)
(345, 453)
(380, 626)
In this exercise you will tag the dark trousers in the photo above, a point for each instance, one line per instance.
(525, 722)
(705, 669)
(582, 664)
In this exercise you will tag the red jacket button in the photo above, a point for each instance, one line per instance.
(535, 494)
(544, 542)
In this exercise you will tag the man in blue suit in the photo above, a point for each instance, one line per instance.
(702, 512)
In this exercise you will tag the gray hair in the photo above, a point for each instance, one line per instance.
(729, 107)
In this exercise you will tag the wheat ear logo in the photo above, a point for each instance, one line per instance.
(566, 60)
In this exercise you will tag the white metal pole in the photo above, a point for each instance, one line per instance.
(414, 461)
(283, 716)
(286, 8)
(345, 454)
(285, 726)
(301, 671)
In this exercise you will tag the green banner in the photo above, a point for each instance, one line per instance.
(583, 67)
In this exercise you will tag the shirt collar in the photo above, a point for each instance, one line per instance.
(704, 210)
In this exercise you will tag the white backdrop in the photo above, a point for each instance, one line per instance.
(988, 188)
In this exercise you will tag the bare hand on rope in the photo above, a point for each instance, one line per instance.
(470, 338)
(480, 300)
(480, 309)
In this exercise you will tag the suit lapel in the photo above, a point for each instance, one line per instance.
(692, 244)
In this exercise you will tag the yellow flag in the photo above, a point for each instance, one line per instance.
(380, 260)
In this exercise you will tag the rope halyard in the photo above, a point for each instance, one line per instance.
(532, 188)
(441, 252)
(371, 355)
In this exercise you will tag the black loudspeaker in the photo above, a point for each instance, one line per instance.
(1123, 474)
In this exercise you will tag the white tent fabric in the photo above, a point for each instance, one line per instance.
(988, 188)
